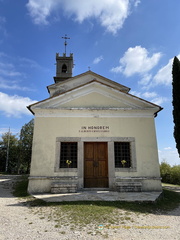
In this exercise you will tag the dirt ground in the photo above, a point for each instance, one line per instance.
(19, 222)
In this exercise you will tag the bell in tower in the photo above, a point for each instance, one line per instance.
(64, 65)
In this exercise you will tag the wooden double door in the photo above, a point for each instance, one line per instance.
(95, 165)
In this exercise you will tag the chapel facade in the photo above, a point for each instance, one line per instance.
(91, 133)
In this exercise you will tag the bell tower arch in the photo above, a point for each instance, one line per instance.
(64, 65)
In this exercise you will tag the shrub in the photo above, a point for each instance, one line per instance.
(175, 175)
(170, 174)
(165, 170)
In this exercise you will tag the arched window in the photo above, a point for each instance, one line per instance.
(64, 68)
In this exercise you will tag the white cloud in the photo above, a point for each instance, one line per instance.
(159, 100)
(41, 9)
(145, 79)
(137, 2)
(150, 96)
(110, 13)
(144, 94)
(14, 106)
(171, 156)
(7, 69)
(164, 75)
(8, 64)
(24, 62)
(137, 61)
(98, 59)
(167, 148)
(10, 77)
(2, 22)
(2, 27)
(12, 85)
(135, 93)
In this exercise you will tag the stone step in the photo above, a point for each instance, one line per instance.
(128, 186)
(63, 187)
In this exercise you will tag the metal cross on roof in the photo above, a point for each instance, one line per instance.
(65, 42)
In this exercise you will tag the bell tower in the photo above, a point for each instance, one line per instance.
(64, 65)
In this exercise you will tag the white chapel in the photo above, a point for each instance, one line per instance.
(92, 133)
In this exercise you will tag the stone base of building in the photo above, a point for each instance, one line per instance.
(63, 187)
(72, 184)
(129, 187)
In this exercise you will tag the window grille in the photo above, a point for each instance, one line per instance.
(68, 155)
(122, 153)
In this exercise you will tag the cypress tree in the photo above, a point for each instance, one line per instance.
(176, 101)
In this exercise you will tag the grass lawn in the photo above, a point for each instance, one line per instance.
(170, 185)
(83, 213)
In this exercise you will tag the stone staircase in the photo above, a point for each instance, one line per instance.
(128, 186)
(64, 185)
(58, 187)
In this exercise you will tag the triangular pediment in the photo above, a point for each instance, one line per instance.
(83, 79)
(95, 95)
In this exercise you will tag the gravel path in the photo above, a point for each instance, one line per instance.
(19, 222)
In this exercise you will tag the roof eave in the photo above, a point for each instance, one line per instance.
(29, 108)
(156, 113)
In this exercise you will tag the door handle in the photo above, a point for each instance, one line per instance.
(95, 164)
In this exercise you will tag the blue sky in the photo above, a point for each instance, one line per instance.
(132, 42)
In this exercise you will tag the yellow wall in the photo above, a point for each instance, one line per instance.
(47, 129)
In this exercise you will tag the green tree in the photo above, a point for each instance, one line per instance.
(9, 151)
(3, 156)
(175, 175)
(170, 174)
(25, 147)
(165, 170)
(176, 101)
